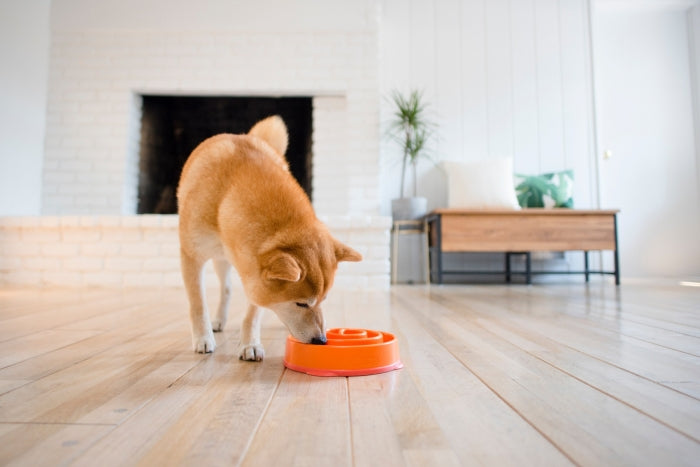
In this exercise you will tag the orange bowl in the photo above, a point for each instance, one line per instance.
(348, 352)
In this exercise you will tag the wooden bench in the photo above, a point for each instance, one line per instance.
(520, 232)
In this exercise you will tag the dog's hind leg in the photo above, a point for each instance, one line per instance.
(223, 270)
(193, 276)
(250, 347)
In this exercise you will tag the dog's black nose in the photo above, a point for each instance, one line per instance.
(319, 340)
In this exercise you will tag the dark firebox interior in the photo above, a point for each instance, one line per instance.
(172, 126)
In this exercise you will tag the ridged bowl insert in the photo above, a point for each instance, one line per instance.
(348, 352)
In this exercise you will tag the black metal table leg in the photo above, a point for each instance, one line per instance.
(508, 267)
(617, 255)
(528, 267)
(436, 250)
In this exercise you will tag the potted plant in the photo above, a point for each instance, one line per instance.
(411, 129)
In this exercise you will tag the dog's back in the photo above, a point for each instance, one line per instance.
(241, 175)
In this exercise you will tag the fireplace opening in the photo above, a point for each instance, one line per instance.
(172, 126)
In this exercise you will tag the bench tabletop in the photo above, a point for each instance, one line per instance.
(525, 212)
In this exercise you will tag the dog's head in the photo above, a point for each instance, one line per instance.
(295, 279)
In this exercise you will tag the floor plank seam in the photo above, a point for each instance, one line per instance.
(640, 308)
(631, 319)
(77, 362)
(608, 363)
(54, 349)
(609, 326)
(612, 329)
(351, 434)
(77, 320)
(256, 428)
(660, 383)
(9, 422)
(661, 345)
(136, 411)
(607, 394)
(409, 306)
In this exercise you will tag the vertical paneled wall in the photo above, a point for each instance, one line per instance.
(503, 77)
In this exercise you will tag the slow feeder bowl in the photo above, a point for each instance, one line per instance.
(348, 352)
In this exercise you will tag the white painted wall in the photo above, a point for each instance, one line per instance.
(212, 15)
(24, 52)
(504, 78)
(693, 16)
(645, 117)
(105, 54)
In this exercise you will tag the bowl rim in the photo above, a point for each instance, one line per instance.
(384, 355)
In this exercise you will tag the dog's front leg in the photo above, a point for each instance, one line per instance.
(193, 276)
(223, 271)
(251, 349)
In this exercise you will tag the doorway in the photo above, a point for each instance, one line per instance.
(646, 137)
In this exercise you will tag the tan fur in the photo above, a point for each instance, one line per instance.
(273, 131)
(240, 206)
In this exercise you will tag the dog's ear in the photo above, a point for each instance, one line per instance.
(282, 266)
(345, 253)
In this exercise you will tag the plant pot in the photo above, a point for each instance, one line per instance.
(405, 209)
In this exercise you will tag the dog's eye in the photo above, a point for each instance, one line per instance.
(302, 305)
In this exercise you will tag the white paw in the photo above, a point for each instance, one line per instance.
(204, 344)
(218, 325)
(251, 352)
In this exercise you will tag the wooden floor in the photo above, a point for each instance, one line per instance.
(494, 375)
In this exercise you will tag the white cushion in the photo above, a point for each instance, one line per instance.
(486, 184)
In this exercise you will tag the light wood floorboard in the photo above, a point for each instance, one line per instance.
(555, 374)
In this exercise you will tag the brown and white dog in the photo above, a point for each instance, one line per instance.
(239, 205)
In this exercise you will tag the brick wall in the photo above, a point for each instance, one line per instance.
(143, 251)
(96, 78)
(103, 59)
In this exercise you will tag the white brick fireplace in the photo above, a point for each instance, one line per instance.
(100, 66)
(97, 78)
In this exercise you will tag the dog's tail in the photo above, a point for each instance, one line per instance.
(273, 131)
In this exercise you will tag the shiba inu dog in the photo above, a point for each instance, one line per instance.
(240, 206)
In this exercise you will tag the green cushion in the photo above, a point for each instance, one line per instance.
(549, 190)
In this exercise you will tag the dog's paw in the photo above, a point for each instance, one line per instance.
(251, 352)
(204, 344)
(217, 325)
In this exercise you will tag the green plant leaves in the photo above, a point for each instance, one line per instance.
(411, 129)
(548, 190)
